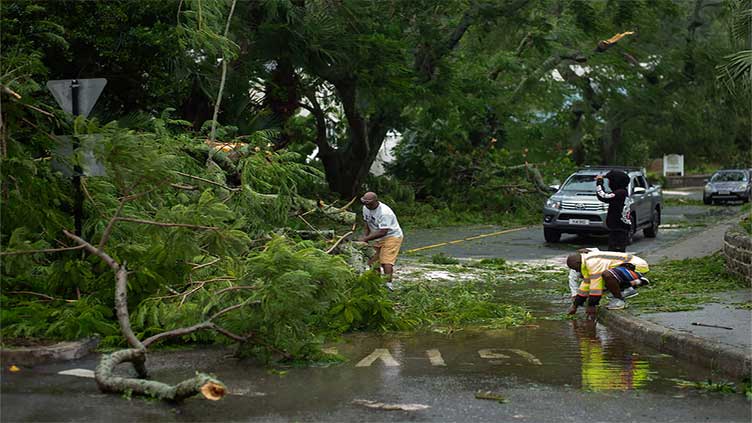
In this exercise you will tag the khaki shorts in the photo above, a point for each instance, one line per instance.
(388, 249)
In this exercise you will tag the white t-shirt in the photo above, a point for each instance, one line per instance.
(382, 217)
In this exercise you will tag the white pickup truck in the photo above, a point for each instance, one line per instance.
(574, 208)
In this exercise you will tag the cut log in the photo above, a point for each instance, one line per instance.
(203, 384)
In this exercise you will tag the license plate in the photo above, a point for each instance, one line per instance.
(724, 192)
(579, 222)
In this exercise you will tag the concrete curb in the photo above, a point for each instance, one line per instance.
(62, 351)
(732, 361)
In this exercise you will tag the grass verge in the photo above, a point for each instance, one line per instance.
(681, 285)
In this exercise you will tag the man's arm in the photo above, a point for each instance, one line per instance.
(606, 197)
(367, 231)
(574, 281)
(373, 235)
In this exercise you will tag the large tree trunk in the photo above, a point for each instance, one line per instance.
(282, 97)
(197, 107)
(611, 141)
(347, 167)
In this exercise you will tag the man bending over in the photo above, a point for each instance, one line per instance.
(615, 270)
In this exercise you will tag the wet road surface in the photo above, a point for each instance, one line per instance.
(528, 244)
(549, 370)
(571, 370)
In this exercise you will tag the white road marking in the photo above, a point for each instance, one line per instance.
(78, 373)
(495, 353)
(491, 353)
(330, 350)
(435, 357)
(682, 193)
(378, 353)
(527, 356)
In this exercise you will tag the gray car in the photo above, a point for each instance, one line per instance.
(727, 185)
(575, 209)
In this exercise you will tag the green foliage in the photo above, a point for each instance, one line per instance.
(365, 306)
(296, 287)
(746, 223)
(746, 388)
(462, 303)
(56, 319)
(707, 386)
(496, 263)
(442, 258)
(684, 284)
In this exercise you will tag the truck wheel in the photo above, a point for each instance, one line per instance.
(632, 231)
(551, 235)
(706, 200)
(655, 222)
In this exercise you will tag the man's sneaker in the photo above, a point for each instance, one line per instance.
(616, 304)
(390, 286)
(644, 281)
(629, 292)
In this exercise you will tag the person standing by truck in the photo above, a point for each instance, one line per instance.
(618, 217)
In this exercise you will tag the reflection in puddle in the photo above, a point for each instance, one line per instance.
(603, 373)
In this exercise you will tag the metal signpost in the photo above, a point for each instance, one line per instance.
(77, 97)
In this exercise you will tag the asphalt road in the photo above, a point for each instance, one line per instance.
(551, 370)
(527, 244)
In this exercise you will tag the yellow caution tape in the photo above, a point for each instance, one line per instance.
(457, 241)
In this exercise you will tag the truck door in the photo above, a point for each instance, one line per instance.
(641, 202)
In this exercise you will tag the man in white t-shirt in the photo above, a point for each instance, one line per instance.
(382, 228)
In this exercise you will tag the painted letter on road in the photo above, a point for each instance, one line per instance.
(378, 353)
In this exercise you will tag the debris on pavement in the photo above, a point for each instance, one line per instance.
(385, 406)
(490, 395)
(711, 326)
(78, 373)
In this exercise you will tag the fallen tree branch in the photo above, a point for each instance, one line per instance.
(229, 334)
(217, 279)
(201, 266)
(111, 223)
(346, 206)
(222, 79)
(46, 250)
(166, 225)
(329, 251)
(184, 187)
(177, 332)
(198, 178)
(300, 203)
(203, 384)
(235, 288)
(37, 294)
(227, 310)
(532, 173)
(109, 383)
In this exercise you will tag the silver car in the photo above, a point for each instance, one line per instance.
(575, 209)
(727, 185)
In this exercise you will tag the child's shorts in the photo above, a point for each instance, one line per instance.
(624, 275)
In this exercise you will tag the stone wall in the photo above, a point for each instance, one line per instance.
(737, 247)
(686, 181)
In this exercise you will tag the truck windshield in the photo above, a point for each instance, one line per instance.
(583, 183)
(729, 177)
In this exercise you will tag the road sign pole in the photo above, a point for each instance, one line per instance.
(78, 207)
(77, 97)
